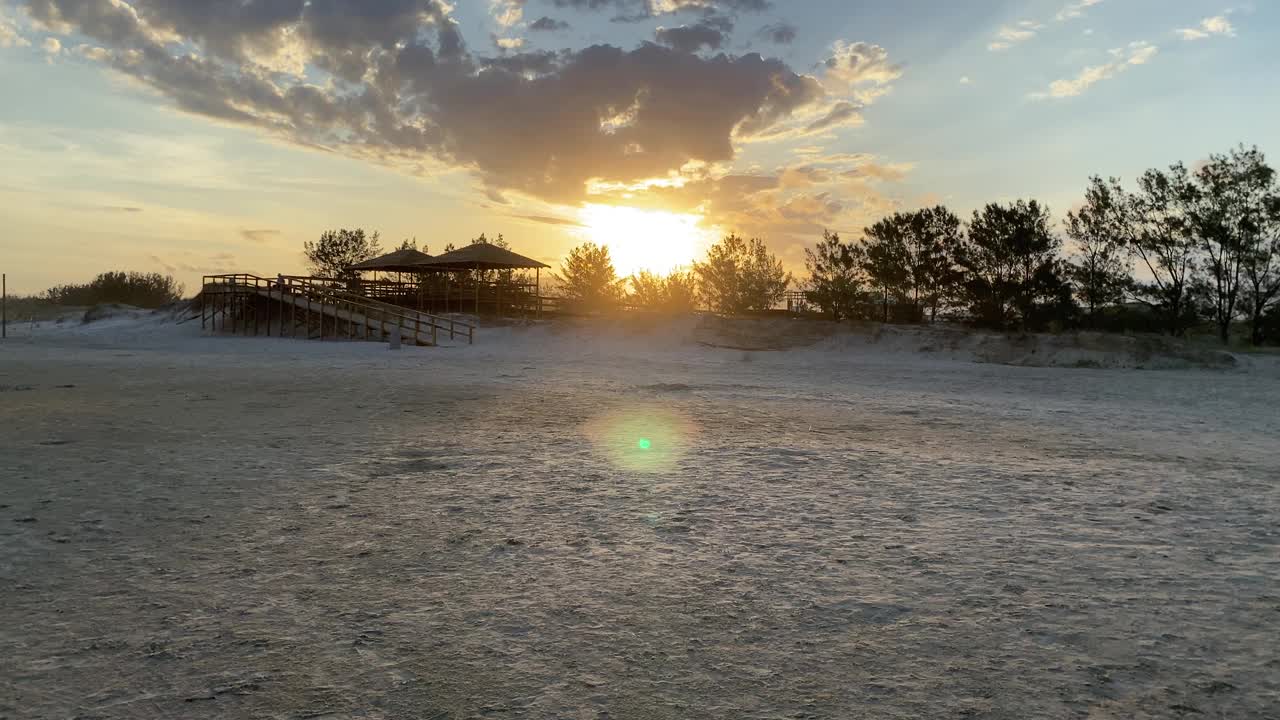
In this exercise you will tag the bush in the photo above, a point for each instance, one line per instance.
(1270, 326)
(675, 294)
(144, 290)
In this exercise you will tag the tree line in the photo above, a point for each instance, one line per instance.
(144, 290)
(737, 276)
(1186, 246)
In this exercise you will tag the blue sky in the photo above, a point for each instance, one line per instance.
(144, 145)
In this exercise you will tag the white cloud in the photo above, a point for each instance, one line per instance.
(1075, 10)
(1138, 53)
(507, 12)
(965, 80)
(1217, 25)
(509, 43)
(51, 46)
(9, 36)
(860, 71)
(1009, 35)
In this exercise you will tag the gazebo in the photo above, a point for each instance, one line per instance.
(482, 257)
(400, 261)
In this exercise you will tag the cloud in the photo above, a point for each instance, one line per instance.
(260, 236)
(548, 220)
(842, 114)
(507, 13)
(546, 24)
(1218, 25)
(119, 208)
(633, 10)
(396, 83)
(779, 33)
(1075, 10)
(860, 71)
(1138, 53)
(1009, 35)
(712, 33)
(51, 46)
(965, 80)
(9, 35)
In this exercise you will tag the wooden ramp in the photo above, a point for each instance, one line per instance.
(295, 306)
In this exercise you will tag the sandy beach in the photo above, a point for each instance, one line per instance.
(554, 524)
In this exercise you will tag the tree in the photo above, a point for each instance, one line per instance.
(1162, 235)
(933, 232)
(682, 291)
(836, 276)
(741, 276)
(408, 244)
(145, 290)
(906, 258)
(1100, 268)
(884, 259)
(502, 276)
(1010, 263)
(676, 293)
(337, 250)
(1229, 214)
(498, 241)
(1262, 269)
(588, 278)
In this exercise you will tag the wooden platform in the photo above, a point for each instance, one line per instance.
(293, 306)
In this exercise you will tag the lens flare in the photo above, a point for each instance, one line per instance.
(642, 438)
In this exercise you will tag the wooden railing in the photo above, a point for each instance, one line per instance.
(311, 294)
(453, 327)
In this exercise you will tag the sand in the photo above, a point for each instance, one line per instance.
(230, 527)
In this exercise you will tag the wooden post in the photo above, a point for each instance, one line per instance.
(4, 306)
(537, 289)
(477, 293)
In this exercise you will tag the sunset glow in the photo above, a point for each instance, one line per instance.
(639, 239)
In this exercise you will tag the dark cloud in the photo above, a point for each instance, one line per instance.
(780, 33)
(405, 89)
(711, 33)
(637, 10)
(547, 220)
(547, 24)
(260, 236)
(843, 113)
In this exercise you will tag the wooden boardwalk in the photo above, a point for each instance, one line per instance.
(302, 307)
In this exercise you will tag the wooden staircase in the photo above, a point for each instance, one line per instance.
(290, 306)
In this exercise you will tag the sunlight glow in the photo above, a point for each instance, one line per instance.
(644, 437)
(638, 239)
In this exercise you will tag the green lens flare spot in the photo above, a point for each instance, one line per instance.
(644, 444)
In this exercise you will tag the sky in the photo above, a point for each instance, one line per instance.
(202, 136)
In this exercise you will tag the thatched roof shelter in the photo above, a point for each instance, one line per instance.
(481, 256)
(407, 261)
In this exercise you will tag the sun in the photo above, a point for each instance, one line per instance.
(638, 239)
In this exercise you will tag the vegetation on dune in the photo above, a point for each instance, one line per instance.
(740, 276)
(674, 294)
(144, 290)
(337, 250)
(588, 279)
(1181, 248)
